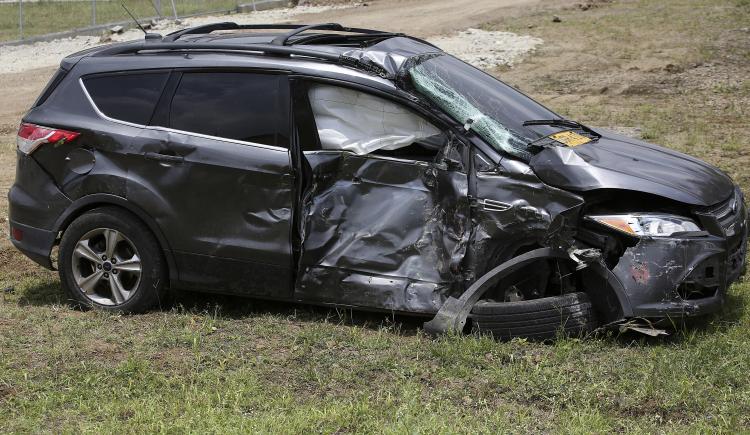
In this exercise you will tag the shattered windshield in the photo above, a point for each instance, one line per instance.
(492, 109)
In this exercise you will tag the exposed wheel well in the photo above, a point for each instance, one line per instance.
(545, 280)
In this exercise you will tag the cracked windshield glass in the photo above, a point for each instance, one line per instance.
(489, 107)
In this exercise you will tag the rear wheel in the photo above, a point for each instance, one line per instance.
(110, 260)
(545, 318)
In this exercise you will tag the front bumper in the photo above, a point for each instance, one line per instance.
(686, 276)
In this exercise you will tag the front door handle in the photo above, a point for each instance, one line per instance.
(166, 158)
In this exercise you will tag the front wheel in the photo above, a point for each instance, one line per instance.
(110, 260)
(539, 319)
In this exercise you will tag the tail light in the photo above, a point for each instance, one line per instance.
(17, 234)
(31, 136)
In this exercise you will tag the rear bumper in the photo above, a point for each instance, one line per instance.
(35, 243)
(35, 204)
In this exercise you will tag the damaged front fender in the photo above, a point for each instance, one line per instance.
(454, 312)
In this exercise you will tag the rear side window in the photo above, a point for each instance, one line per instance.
(127, 97)
(249, 107)
(51, 86)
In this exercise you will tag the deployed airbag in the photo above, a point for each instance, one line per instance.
(350, 120)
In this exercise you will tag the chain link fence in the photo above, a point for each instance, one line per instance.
(24, 19)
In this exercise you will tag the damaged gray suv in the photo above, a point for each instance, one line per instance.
(358, 168)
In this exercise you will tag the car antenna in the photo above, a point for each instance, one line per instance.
(145, 33)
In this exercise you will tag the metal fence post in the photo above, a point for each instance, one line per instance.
(20, 18)
(93, 12)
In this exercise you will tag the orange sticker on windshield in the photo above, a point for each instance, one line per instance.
(570, 138)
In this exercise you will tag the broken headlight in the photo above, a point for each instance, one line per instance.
(647, 224)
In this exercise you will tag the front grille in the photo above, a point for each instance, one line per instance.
(736, 258)
(729, 218)
(728, 212)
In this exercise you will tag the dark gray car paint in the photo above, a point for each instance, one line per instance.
(361, 250)
(453, 224)
(618, 162)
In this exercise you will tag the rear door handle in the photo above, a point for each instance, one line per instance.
(167, 158)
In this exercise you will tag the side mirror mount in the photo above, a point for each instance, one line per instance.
(450, 156)
(484, 165)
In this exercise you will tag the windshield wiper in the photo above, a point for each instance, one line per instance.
(562, 123)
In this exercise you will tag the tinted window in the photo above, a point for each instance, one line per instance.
(127, 97)
(240, 106)
(53, 82)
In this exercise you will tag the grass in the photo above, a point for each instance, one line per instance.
(44, 17)
(221, 364)
(204, 367)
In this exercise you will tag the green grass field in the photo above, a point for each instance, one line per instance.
(230, 365)
(44, 17)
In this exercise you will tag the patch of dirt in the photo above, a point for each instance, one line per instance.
(487, 49)
(103, 350)
(7, 392)
(426, 18)
(15, 267)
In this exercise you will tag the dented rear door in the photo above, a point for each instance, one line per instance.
(217, 156)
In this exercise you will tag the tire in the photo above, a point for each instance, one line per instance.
(538, 319)
(130, 280)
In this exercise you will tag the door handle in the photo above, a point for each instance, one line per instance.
(167, 158)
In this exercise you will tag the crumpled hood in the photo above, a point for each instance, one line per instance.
(620, 162)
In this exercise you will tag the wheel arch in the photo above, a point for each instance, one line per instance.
(91, 202)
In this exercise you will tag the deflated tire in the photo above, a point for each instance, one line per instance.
(540, 319)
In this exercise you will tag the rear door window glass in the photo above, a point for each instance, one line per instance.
(127, 97)
(248, 107)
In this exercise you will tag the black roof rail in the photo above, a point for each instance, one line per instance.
(214, 46)
(131, 48)
(334, 38)
(294, 29)
(283, 39)
(226, 25)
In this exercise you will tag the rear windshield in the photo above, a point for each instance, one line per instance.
(127, 97)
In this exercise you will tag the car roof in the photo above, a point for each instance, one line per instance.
(328, 48)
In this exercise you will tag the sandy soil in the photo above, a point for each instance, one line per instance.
(426, 18)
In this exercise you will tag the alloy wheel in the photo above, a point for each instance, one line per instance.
(106, 266)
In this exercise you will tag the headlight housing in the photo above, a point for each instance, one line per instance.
(647, 224)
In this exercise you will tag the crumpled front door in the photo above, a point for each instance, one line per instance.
(382, 233)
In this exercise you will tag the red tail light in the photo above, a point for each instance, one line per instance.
(17, 234)
(31, 136)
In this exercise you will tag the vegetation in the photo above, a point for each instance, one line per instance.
(42, 17)
(677, 70)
